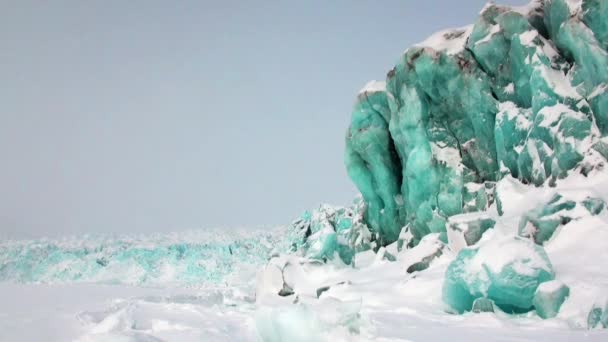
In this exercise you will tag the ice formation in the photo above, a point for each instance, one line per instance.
(478, 159)
(481, 161)
(182, 259)
(508, 271)
(520, 92)
(541, 222)
(327, 231)
(549, 297)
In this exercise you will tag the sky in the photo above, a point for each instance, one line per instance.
(150, 116)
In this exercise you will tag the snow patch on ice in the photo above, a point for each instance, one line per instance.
(452, 41)
(373, 86)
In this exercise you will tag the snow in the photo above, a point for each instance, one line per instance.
(513, 112)
(528, 37)
(494, 30)
(558, 82)
(599, 90)
(94, 312)
(551, 115)
(452, 41)
(447, 154)
(500, 252)
(373, 301)
(528, 8)
(373, 86)
(575, 6)
(550, 286)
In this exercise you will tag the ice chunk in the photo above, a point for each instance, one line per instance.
(594, 205)
(466, 229)
(384, 254)
(405, 239)
(549, 297)
(506, 270)
(541, 222)
(520, 93)
(329, 231)
(420, 257)
(478, 197)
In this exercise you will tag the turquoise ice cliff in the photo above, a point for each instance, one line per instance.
(473, 157)
(522, 92)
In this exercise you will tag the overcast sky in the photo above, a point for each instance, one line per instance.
(140, 116)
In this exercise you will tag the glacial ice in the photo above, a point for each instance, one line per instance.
(522, 92)
(329, 231)
(541, 222)
(505, 270)
(419, 258)
(549, 297)
(464, 157)
(182, 259)
(466, 229)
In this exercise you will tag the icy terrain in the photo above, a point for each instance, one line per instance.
(55, 290)
(187, 286)
(152, 295)
(481, 161)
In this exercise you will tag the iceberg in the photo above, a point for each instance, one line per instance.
(521, 92)
(480, 159)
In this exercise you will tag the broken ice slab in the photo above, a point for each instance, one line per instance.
(506, 270)
(466, 229)
(478, 196)
(384, 254)
(422, 255)
(549, 297)
(541, 222)
(328, 232)
(594, 205)
(405, 238)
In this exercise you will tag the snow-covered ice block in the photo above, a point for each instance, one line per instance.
(466, 229)
(549, 297)
(594, 205)
(542, 222)
(420, 257)
(478, 196)
(384, 255)
(405, 238)
(506, 270)
(330, 232)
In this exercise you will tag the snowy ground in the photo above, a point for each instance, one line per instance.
(376, 300)
(92, 312)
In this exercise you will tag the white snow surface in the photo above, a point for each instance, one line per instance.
(452, 41)
(373, 86)
(377, 300)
